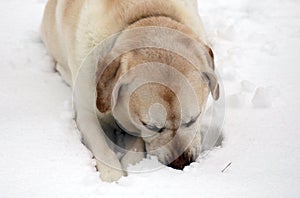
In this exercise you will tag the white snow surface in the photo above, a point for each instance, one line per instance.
(256, 44)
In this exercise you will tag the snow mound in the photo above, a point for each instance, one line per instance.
(236, 100)
(247, 86)
(262, 98)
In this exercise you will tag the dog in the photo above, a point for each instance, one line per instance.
(157, 119)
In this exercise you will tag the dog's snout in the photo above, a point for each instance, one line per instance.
(182, 161)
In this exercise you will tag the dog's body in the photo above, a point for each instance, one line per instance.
(72, 28)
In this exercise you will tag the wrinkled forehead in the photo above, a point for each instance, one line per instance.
(154, 102)
(149, 95)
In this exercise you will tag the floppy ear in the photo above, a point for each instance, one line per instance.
(212, 56)
(106, 83)
(213, 84)
(211, 76)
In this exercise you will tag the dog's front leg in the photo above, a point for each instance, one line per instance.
(94, 138)
(135, 147)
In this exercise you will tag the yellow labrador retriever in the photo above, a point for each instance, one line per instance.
(161, 116)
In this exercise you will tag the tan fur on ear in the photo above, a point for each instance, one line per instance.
(211, 76)
(213, 84)
(211, 53)
(106, 83)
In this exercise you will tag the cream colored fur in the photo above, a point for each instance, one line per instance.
(72, 28)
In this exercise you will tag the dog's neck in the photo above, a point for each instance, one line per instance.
(164, 21)
(131, 11)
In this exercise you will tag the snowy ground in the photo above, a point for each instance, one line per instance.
(256, 44)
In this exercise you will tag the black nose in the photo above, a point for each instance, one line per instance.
(182, 161)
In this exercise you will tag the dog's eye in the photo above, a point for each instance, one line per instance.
(153, 128)
(190, 123)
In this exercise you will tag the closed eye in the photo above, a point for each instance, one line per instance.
(190, 123)
(153, 128)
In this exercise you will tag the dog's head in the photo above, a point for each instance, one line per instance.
(163, 111)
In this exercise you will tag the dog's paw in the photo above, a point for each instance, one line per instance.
(135, 151)
(109, 173)
(131, 158)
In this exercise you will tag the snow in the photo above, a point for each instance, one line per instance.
(236, 100)
(262, 98)
(247, 86)
(256, 45)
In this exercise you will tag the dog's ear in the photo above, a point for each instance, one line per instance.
(213, 84)
(211, 76)
(106, 83)
(212, 56)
